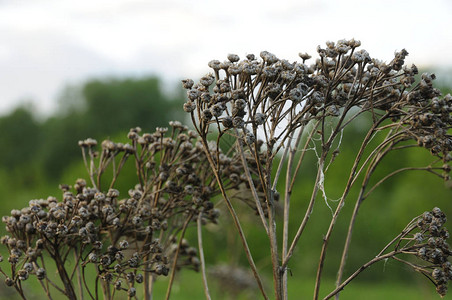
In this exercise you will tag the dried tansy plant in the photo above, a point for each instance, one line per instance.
(103, 242)
(255, 120)
(276, 111)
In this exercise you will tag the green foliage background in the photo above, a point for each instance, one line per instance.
(36, 155)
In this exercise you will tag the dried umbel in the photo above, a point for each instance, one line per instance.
(126, 238)
(425, 239)
(430, 245)
(272, 97)
(269, 106)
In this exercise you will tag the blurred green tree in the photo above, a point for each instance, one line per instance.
(20, 133)
(102, 108)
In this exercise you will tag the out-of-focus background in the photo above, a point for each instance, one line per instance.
(76, 69)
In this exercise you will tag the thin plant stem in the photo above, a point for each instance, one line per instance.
(303, 153)
(79, 277)
(176, 255)
(253, 188)
(201, 257)
(86, 284)
(359, 200)
(147, 284)
(45, 290)
(287, 194)
(68, 287)
(88, 169)
(339, 208)
(357, 272)
(307, 214)
(235, 219)
(20, 291)
(427, 168)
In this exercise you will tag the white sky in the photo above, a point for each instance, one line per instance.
(45, 44)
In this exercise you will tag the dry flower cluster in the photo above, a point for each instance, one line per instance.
(125, 240)
(278, 110)
(254, 120)
(425, 237)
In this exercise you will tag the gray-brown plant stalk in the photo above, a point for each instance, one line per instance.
(277, 110)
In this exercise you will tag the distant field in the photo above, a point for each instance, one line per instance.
(189, 286)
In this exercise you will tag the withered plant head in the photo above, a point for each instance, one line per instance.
(269, 106)
(269, 98)
(430, 244)
(122, 236)
(425, 238)
(422, 245)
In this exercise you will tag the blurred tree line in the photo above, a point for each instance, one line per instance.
(35, 156)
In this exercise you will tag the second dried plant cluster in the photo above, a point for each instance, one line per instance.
(124, 239)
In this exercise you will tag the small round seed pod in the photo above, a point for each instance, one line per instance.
(159, 269)
(28, 267)
(105, 260)
(133, 262)
(108, 277)
(9, 281)
(187, 83)
(189, 106)
(132, 292)
(119, 256)
(139, 278)
(124, 244)
(22, 274)
(41, 273)
(92, 257)
(130, 277)
(441, 289)
(118, 284)
(437, 274)
(227, 122)
(118, 268)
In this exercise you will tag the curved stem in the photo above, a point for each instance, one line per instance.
(340, 205)
(428, 169)
(357, 272)
(360, 199)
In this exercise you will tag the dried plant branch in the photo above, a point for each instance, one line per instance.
(357, 272)
(201, 257)
(272, 98)
(427, 244)
(176, 257)
(236, 223)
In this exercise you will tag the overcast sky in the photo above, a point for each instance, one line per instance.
(45, 45)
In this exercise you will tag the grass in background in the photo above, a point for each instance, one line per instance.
(188, 286)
